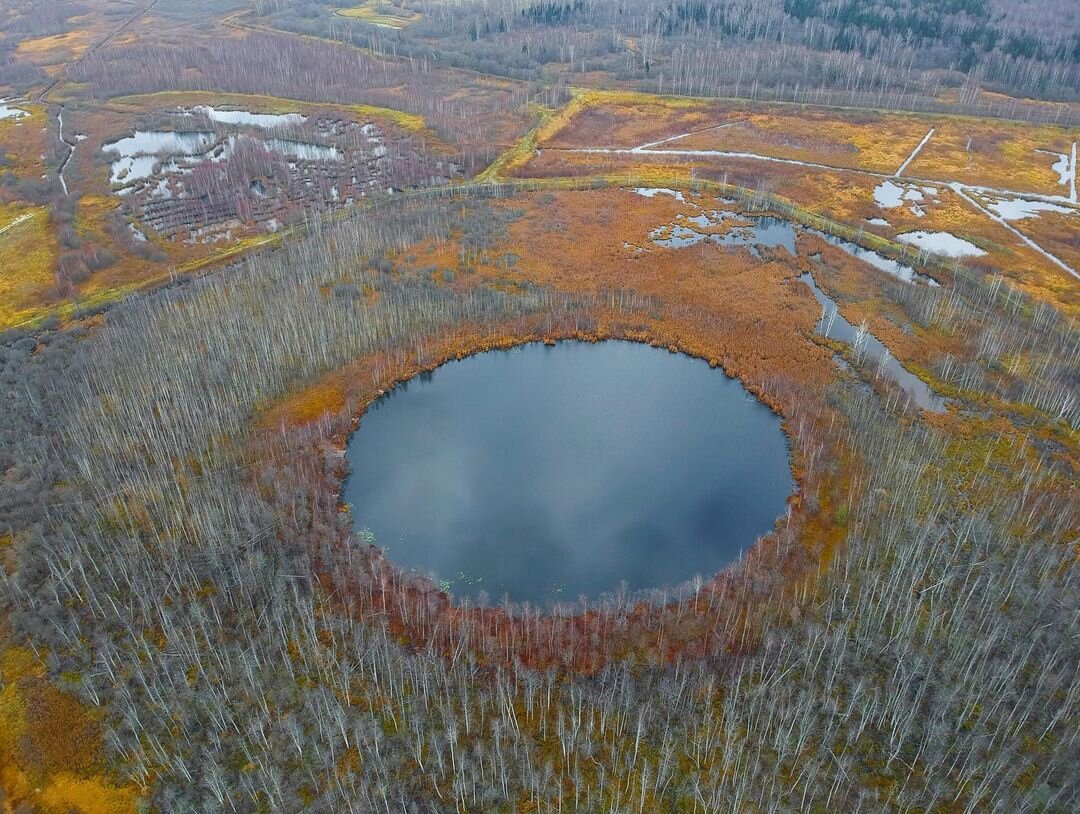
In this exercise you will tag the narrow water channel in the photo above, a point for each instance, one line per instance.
(833, 325)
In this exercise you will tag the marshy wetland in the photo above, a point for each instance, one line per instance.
(734, 344)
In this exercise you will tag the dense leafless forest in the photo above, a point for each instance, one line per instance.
(884, 54)
(901, 55)
(167, 569)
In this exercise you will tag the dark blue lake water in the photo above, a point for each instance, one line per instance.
(546, 472)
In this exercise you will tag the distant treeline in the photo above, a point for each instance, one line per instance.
(894, 53)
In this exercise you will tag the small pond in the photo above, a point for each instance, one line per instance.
(303, 150)
(264, 120)
(160, 141)
(551, 472)
(943, 243)
(1022, 208)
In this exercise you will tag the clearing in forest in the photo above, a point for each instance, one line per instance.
(28, 251)
(899, 173)
(383, 15)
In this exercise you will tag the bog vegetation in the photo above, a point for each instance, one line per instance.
(187, 572)
(188, 621)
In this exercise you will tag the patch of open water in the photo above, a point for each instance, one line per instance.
(547, 473)
(263, 120)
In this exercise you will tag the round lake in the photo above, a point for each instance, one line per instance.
(548, 472)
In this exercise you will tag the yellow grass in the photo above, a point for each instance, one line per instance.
(49, 747)
(553, 121)
(94, 294)
(28, 252)
(86, 795)
(12, 704)
(408, 121)
(870, 140)
(186, 98)
(851, 141)
(1001, 154)
(27, 259)
(57, 48)
(129, 37)
(814, 135)
(1056, 232)
(590, 97)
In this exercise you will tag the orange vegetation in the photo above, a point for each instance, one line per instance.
(847, 197)
(51, 750)
(28, 252)
(56, 49)
(871, 141)
(31, 289)
(1058, 233)
(751, 316)
(989, 152)
(995, 153)
(724, 616)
